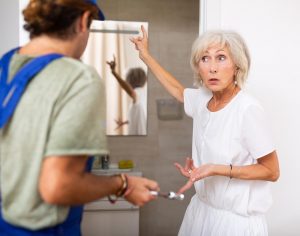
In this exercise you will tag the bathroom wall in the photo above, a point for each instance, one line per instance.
(173, 26)
(9, 25)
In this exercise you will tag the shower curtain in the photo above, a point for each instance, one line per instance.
(104, 43)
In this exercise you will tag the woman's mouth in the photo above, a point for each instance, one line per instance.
(213, 80)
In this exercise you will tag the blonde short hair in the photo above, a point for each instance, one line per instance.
(237, 49)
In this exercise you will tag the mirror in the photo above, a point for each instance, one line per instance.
(115, 58)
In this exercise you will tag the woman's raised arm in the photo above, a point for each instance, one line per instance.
(174, 87)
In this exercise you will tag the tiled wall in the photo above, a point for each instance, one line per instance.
(173, 26)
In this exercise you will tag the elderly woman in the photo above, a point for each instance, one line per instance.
(233, 157)
(51, 122)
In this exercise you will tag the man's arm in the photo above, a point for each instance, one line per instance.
(64, 181)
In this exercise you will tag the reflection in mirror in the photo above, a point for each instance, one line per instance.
(112, 54)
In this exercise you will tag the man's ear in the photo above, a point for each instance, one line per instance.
(83, 22)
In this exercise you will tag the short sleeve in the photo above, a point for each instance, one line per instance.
(256, 132)
(78, 126)
(195, 98)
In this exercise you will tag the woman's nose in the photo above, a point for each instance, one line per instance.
(213, 69)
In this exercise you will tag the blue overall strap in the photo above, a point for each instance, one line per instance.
(4, 72)
(11, 92)
(5, 60)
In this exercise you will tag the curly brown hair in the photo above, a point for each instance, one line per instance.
(136, 77)
(55, 17)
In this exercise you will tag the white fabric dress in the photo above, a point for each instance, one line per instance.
(137, 114)
(238, 134)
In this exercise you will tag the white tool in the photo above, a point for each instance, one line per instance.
(169, 195)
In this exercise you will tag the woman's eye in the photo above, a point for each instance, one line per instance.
(204, 59)
(221, 57)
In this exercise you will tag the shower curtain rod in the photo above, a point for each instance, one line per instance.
(114, 31)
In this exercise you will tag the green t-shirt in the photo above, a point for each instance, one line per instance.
(62, 112)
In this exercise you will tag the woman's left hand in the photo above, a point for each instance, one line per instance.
(197, 174)
(187, 169)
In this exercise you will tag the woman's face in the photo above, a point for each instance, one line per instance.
(217, 68)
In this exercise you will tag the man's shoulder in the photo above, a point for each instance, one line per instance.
(69, 68)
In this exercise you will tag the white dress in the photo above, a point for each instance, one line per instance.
(237, 134)
(137, 114)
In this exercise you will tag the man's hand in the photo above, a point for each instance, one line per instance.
(139, 188)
